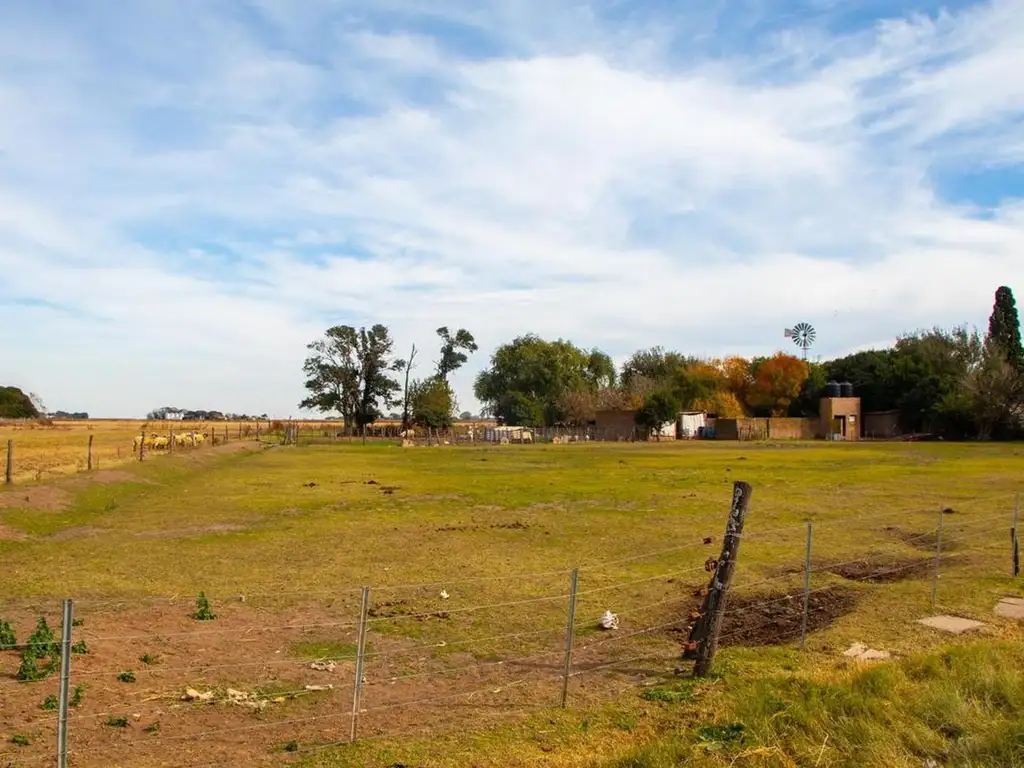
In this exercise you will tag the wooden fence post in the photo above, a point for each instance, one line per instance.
(1015, 538)
(9, 471)
(88, 461)
(703, 641)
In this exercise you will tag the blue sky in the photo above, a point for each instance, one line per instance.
(192, 191)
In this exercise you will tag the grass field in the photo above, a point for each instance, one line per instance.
(281, 539)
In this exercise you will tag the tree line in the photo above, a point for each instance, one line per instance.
(952, 382)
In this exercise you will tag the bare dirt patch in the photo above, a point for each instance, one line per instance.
(884, 569)
(775, 619)
(196, 530)
(76, 532)
(9, 534)
(924, 541)
(36, 497)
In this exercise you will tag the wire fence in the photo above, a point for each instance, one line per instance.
(145, 680)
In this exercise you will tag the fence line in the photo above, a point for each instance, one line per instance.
(978, 530)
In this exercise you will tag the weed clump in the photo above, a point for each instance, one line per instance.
(7, 638)
(127, 676)
(203, 610)
(41, 646)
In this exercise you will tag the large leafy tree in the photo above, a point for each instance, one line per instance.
(15, 404)
(348, 371)
(777, 383)
(529, 377)
(452, 355)
(1004, 328)
(655, 364)
(659, 408)
(433, 403)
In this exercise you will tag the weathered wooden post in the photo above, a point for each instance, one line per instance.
(1015, 537)
(703, 640)
(9, 471)
(88, 461)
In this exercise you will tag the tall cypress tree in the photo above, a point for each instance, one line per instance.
(1004, 327)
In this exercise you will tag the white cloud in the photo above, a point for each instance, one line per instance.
(186, 222)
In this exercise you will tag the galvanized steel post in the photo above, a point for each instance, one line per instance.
(357, 687)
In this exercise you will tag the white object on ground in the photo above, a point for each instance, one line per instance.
(862, 652)
(609, 621)
(444, 595)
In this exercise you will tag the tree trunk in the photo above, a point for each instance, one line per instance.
(405, 398)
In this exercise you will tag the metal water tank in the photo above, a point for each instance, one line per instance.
(832, 389)
(845, 389)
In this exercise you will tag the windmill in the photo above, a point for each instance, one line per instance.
(802, 335)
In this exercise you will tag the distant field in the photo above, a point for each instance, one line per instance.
(467, 551)
(44, 451)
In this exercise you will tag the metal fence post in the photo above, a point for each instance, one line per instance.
(570, 632)
(9, 471)
(357, 687)
(807, 587)
(65, 684)
(938, 555)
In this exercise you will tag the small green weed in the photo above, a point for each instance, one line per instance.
(666, 695)
(42, 642)
(77, 622)
(7, 638)
(118, 722)
(30, 671)
(203, 610)
(127, 676)
(152, 728)
(291, 746)
(148, 659)
(77, 695)
(49, 703)
(721, 733)
(80, 648)
(20, 741)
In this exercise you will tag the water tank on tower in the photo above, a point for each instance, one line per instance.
(832, 389)
(846, 389)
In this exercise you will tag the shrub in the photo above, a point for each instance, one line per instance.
(49, 703)
(20, 741)
(80, 648)
(118, 722)
(127, 676)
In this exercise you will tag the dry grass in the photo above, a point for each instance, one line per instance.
(298, 530)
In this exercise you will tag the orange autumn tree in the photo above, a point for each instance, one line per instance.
(777, 382)
(740, 380)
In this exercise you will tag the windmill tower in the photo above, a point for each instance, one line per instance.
(802, 335)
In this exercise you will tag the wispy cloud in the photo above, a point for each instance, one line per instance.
(190, 192)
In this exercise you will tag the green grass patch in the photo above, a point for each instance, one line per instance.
(331, 650)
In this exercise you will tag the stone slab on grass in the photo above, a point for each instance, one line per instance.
(954, 625)
(1011, 608)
